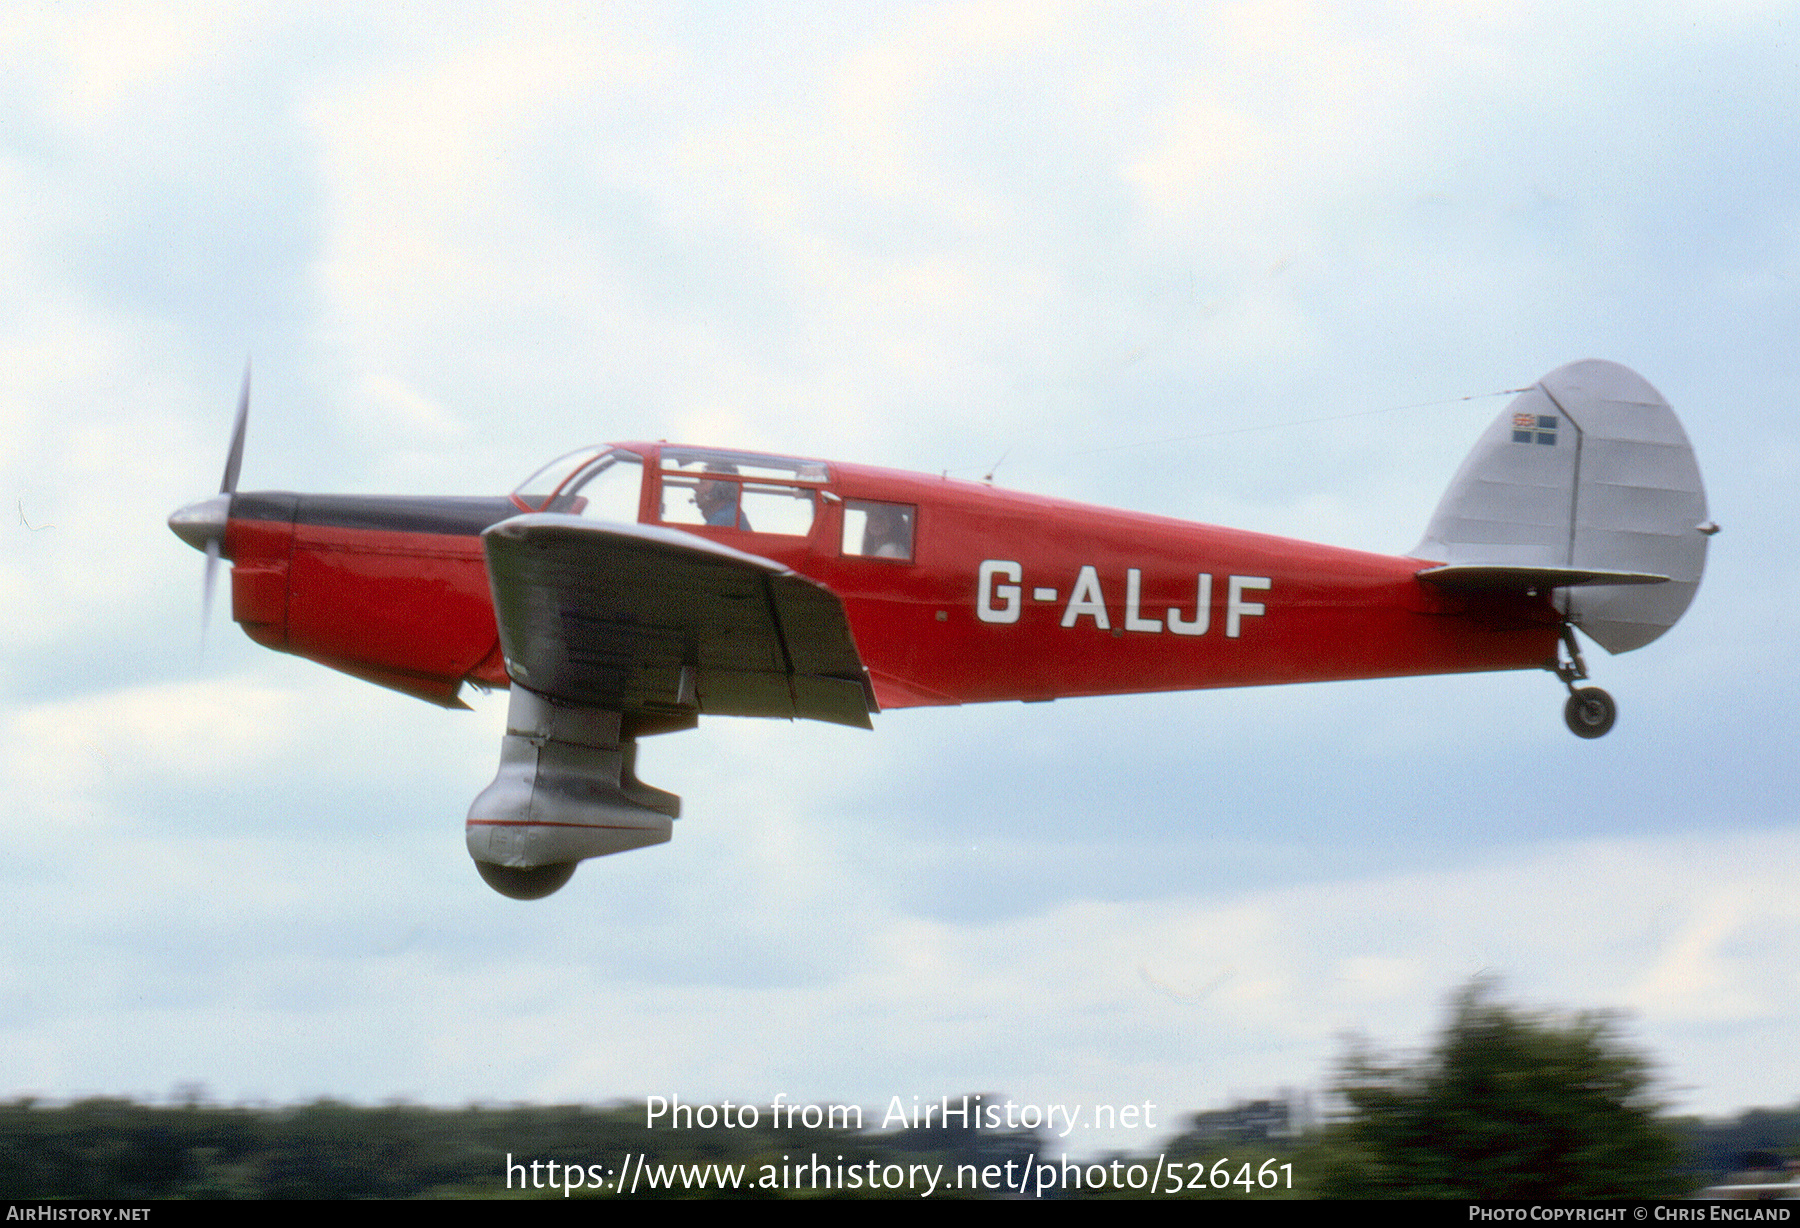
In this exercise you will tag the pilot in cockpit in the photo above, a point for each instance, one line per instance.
(718, 500)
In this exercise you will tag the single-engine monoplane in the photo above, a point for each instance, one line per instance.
(628, 589)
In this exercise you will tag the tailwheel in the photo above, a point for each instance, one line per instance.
(1590, 712)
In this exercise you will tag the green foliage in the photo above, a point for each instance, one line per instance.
(113, 1148)
(1508, 1105)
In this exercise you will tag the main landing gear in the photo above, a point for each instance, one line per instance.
(1589, 712)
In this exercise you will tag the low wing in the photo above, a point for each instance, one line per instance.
(647, 620)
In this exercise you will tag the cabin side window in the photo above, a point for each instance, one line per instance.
(739, 490)
(878, 530)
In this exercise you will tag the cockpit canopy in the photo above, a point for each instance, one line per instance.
(713, 487)
(747, 491)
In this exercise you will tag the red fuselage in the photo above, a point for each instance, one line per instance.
(997, 595)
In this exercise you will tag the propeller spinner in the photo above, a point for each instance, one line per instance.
(202, 524)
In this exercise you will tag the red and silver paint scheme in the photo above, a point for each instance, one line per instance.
(628, 589)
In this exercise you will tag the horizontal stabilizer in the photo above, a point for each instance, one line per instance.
(646, 620)
(1481, 577)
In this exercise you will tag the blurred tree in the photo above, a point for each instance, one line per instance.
(1508, 1105)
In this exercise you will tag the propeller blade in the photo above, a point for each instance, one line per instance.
(202, 525)
(234, 459)
(206, 592)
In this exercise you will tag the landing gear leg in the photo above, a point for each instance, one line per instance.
(1590, 711)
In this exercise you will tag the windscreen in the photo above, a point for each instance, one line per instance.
(599, 482)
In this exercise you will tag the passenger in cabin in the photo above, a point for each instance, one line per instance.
(889, 532)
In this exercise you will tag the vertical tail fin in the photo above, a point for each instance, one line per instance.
(1589, 468)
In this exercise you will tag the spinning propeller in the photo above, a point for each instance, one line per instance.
(202, 525)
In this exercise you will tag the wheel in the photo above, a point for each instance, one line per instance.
(1590, 712)
(532, 884)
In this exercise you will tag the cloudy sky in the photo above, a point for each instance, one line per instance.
(929, 236)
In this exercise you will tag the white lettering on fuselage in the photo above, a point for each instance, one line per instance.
(1008, 609)
(1134, 580)
(1087, 599)
(1202, 610)
(1235, 605)
(998, 602)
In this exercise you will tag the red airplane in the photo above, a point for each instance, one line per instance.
(627, 589)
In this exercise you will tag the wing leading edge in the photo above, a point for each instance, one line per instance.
(646, 620)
